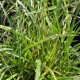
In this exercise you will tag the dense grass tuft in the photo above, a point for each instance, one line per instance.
(37, 40)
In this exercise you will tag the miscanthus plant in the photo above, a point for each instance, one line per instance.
(36, 38)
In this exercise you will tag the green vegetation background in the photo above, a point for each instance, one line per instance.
(36, 38)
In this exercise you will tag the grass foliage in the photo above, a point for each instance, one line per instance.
(36, 38)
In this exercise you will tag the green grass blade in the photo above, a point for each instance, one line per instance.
(38, 69)
(12, 76)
